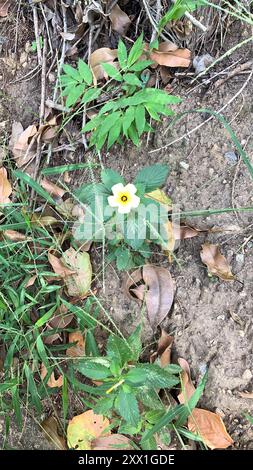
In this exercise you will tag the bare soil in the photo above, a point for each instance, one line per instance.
(211, 320)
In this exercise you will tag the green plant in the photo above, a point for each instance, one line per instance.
(177, 10)
(129, 113)
(127, 229)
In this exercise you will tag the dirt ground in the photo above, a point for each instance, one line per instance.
(211, 320)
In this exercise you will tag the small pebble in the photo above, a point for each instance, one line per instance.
(221, 317)
(240, 258)
(247, 375)
(184, 165)
(201, 62)
(231, 157)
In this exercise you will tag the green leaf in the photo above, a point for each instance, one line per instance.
(85, 72)
(152, 112)
(112, 71)
(151, 375)
(118, 349)
(114, 133)
(128, 119)
(131, 79)
(153, 176)
(164, 421)
(124, 259)
(74, 95)
(131, 231)
(71, 72)
(96, 370)
(135, 343)
(141, 65)
(92, 124)
(108, 122)
(140, 119)
(91, 95)
(34, 185)
(192, 402)
(110, 177)
(127, 406)
(104, 405)
(122, 54)
(136, 51)
(88, 192)
(133, 135)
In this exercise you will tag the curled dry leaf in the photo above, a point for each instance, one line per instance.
(52, 381)
(23, 143)
(79, 283)
(79, 349)
(4, 7)
(112, 442)
(163, 353)
(168, 54)
(159, 292)
(51, 431)
(211, 428)
(14, 236)
(246, 394)
(188, 388)
(31, 281)
(59, 266)
(84, 428)
(120, 20)
(52, 188)
(102, 55)
(216, 262)
(5, 187)
(61, 318)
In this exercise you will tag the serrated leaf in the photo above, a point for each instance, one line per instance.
(133, 135)
(151, 375)
(94, 369)
(123, 258)
(127, 406)
(71, 72)
(85, 72)
(141, 65)
(128, 119)
(91, 95)
(108, 122)
(118, 349)
(112, 71)
(114, 133)
(110, 177)
(152, 176)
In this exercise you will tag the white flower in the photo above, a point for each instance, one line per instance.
(124, 198)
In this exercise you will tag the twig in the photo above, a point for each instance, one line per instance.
(152, 21)
(207, 120)
(158, 14)
(58, 107)
(42, 107)
(84, 141)
(193, 20)
(16, 33)
(239, 69)
(63, 52)
(37, 34)
(47, 28)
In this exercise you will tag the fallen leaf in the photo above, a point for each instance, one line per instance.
(78, 284)
(59, 266)
(211, 429)
(61, 318)
(84, 428)
(79, 349)
(44, 220)
(246, 394)
(4, 7)
(31, 281)
(52, 381)
(23, 143)
(120, 20)
(163, 353)
(14, 236)
(112, 442)
(216, 262)
(50, 428)
(169, 246)
(102, 55)
(52, 188)
(159, 292)
(169, 55)
(5, 187)
(188, 388)
(160, 196)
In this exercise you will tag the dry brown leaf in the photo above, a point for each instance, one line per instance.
(52, 188)
(104, 54)
(188, 388)
(163, 353)
(44, 220)
(210, 427)
(61, 318)
(23, 143)
(84, 428)
(112, 442)
(5, 187)
(52, 381)
(4, 7)
(14, 236)
(120, 20)
(79, 349)
(31, 281)
(59, 266)
(216, 262)
(169, 55)
(171, 240)
(50, 428)
(78, 284)
(246, 394)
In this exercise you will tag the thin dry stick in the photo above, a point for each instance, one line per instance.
(37, 34)
(84, 141)
(193, 20)
(207, 120)
(157, 18)
(238, 70)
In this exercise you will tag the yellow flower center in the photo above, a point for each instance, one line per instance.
(124, 198)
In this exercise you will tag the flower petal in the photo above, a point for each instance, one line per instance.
(124, 209)
(112, 201)
(135, 201)
(131, 188)
(116, 188)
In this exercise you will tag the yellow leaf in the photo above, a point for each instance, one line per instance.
(84, 428)
(160, 196)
